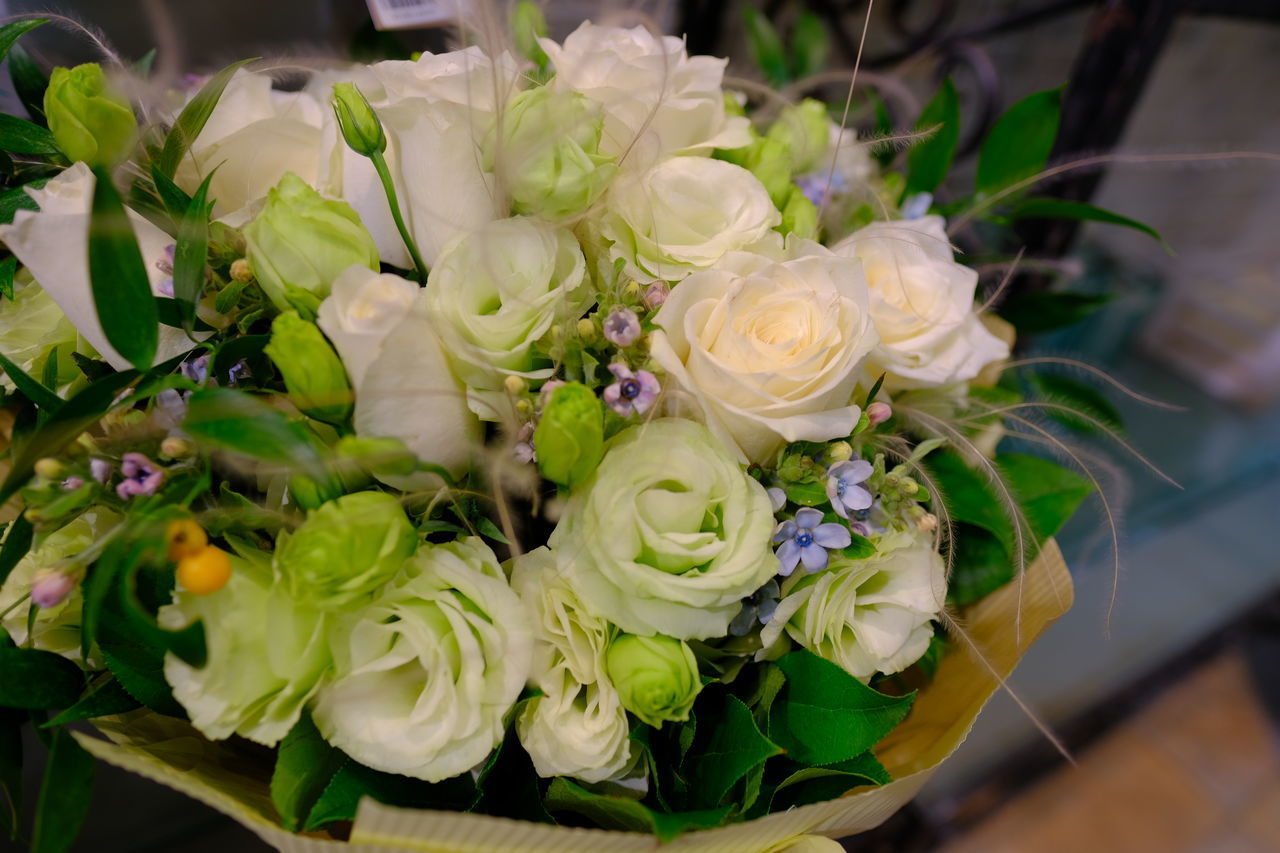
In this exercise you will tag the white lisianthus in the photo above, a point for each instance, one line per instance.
(425, 673)
(360, 312)
(32, 326)
(657, 99)
(254, 136)
(922, 304)
(868, 616)
(770, 349)
(53, 243)
(267, 654)
(684, 214)
(668, 535)
(578, 727)
(495, 292)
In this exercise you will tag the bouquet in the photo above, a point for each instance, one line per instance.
(534, 430)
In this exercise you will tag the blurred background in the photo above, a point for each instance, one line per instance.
(1170, 705)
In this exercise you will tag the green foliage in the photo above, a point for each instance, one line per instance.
(508, 786)
(11, 724)
(11, 32)
(1020, 142)
(929, 161)
(19, 136)
(37, 680)
(17, 543)
(186, 128)
(29, 83)
(121, 289)
(807, 785)
(765, 46)
(810, 45)
(8, 268)
(305, 765)
(106, 699)
(627, 814)
(64, 795)
(190, 254)
(233, 420)
(1041, 311)
(725, 753)
(15, 199)
(1056, 208)
(43, 398)
(342, 795)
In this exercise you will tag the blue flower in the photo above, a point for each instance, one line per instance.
(756, 608)
(844, 488)
(807, 540)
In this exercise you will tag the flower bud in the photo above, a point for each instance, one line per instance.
(50, 587)
(656, 294)
(301, 241)
(241, 271)
(381, 457)
(50, 469)
(570, 434)
(174, 447)
(656, 677)
(927, 522)
(183, 537)
(361, 127)
(878, 413)
(837, 451)
(803, 129)
(587, 330)
(89, 119)
(312, 371)
(515, 385)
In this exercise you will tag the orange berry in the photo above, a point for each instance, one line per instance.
(184, 538)
(205, 571)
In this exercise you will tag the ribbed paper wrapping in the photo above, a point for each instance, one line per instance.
(228, 779)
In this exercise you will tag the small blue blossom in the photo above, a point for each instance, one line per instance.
(844, 486)
(814, 185)
(758, 608)
(917, 205)
(807, 540)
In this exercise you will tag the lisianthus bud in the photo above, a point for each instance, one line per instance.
(803, 128)
(90, 120)
(656, 677)
(570, 434)
(381, 457)
(347, 548)
(301, 241)
(50, 587)
(878, 413)
(312, 371)
(361, 127)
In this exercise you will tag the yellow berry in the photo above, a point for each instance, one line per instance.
(205, 571)
(184, 538)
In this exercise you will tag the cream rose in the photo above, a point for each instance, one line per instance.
(684, 215)
(868, 616)
(657, 99)
(771, 350)
(578, 727)
(922, 305)
(668, 535)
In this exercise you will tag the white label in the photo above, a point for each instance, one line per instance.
(408, 14)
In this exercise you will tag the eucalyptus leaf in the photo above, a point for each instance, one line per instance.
(65, 793)
(1020, 142)
(929, 160)
(121, 290)
(186, 128)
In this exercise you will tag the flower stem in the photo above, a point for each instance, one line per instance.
(380, 163)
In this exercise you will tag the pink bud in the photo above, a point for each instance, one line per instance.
(878, 413)
(51, 587)
(656, 294)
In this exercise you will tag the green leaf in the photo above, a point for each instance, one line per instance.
(140, 671)
(1035, 312)
(44, 399)
(145, 63)
(236, 421)
(354, 781)
(37, 680)
(626, 814)
(1066, 391)
(971, 498)
(8, 267)
(173, 197)
(861, 548)
(305, 765)
(106, 699)
(507, 785)
(1020, 142)
(929, 160)
(1056, 208)
(248, 348)
(765, 46)
(19, 136)
(810, 46)
(192, 119)
(825, 715)
(17, 543)
(64, 795)
(29, 82)
(725, 752)
(13, 200)
(820, 784)
(121, 289)
(979, 565)
(1048, 493)
(11, 32)
(191, 254)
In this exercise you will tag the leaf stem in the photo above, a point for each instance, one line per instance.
(384, 174)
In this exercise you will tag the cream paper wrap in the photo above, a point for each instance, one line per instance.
(226, 777)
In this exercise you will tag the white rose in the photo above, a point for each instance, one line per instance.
(658, 100)
(403, 385)
(578, 727)
(53, 243)
(424, 675)
(495, 292)
(868, 616)
(684, 215)
(922, 305)
(253, 137)
(771, 350)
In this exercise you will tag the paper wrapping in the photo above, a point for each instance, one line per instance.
(227, 777)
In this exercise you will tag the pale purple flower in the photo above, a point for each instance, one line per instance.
(916, 206)
(51, 587)
(548, 388)
(141, 476)
(814, 185)
(807, 540)
(197, 369)
(72, 483)
(777, 498)
(844, 486)
(633, 393)
(238, 371)
(656, 294)
(100, 469)
(523, 450)
(622, 327)
(165, 265)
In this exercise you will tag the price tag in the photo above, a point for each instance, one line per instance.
(411, 14)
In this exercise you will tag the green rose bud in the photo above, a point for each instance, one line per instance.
(803, 130)
(346, 549)
(528, 24)
(361, 127)
(770, 162)
(549, 153)
(381, 457)
(570, 435)
(656, 677)
(799, 215)
(301, 241)
(90, 121)
(312, 371)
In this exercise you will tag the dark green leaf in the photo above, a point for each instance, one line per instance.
(191, 255)
(487, 528)
(121, 289)
(38, 680)
(29, 82)
(44, 399)
(725, 753)
(64, 795)
(1056, 208)
(1020, 142)
(11, 724)
(13, 200)
(140, 671)
(173, 197)
(186, 129)
(929, 160)
(11, 32)
(825, 715)
(508, 786)
(820, 784)
(16, 545)
(354, 781)
(971, 498)
(248, 349)
(1048, 493)
(91, 368)
(1085, 399)
(236, 421)
(979, 565)
(305, 765)
(765, 46)
(171, 313)
(875, 389)
(1045, 311)
(8, 267)
(106, 699)
(19, 136)
(810, 45)
(625, 814)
